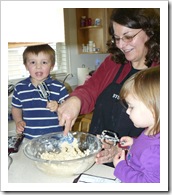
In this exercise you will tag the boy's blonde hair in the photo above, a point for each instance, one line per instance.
(145, 85)
(37, 49)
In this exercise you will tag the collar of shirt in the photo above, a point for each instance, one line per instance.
(28, 80)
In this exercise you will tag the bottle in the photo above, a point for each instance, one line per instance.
(97, 22)
(83, 48)
(89, 22)
(87, 48)
(83, 21)
(94, 47)
(86, 21)
(90, 43)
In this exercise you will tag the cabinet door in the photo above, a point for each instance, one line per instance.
(97, 34)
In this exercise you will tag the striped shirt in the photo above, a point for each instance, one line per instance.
(39, 119)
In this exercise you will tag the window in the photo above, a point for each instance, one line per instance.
(16, 69)
(50, 16)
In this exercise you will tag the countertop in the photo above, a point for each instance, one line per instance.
(23, 170)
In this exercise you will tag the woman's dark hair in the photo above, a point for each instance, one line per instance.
(147, 19)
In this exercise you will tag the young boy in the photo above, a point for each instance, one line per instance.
(33, 114)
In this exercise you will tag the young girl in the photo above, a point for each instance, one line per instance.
(141, 93)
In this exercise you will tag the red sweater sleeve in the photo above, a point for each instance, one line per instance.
(103, 76)
(91, 89)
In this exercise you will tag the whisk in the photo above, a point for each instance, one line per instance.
(43, 91)
(110, 136)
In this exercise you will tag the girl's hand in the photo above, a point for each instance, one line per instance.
(52, 106)
(20, 126)
(126, 141)
(119, 157)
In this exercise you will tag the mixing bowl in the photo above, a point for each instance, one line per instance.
(52, 143)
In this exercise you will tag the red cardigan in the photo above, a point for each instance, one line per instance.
(103, 76)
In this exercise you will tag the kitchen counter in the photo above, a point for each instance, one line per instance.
(23, 170)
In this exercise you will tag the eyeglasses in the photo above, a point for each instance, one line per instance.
(125, 38)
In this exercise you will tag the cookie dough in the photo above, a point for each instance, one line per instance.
(68, 152)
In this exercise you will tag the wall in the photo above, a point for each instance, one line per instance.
(76, 59)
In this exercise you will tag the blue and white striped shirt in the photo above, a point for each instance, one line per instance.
(39, 120)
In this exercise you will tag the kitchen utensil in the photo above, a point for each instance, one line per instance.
(44, 91)
(52, 143)
(68, 138)
(110, 136)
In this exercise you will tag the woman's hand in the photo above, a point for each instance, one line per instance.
(119, 157)
(52, 106)
(68, 112)
(107, 155)
(20, 126)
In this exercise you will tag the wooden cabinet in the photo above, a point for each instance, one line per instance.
(83, 122)
(98, 34)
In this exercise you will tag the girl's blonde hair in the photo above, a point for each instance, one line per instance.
(145, 85)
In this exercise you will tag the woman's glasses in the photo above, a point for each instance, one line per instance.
(125, 38)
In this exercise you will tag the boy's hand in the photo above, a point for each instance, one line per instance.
(52, 106)
(20, 126)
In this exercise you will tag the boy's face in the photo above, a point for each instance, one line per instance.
(39, 67)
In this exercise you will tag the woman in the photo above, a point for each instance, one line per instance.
(134, 46)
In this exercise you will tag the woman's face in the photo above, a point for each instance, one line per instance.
(135, 50)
